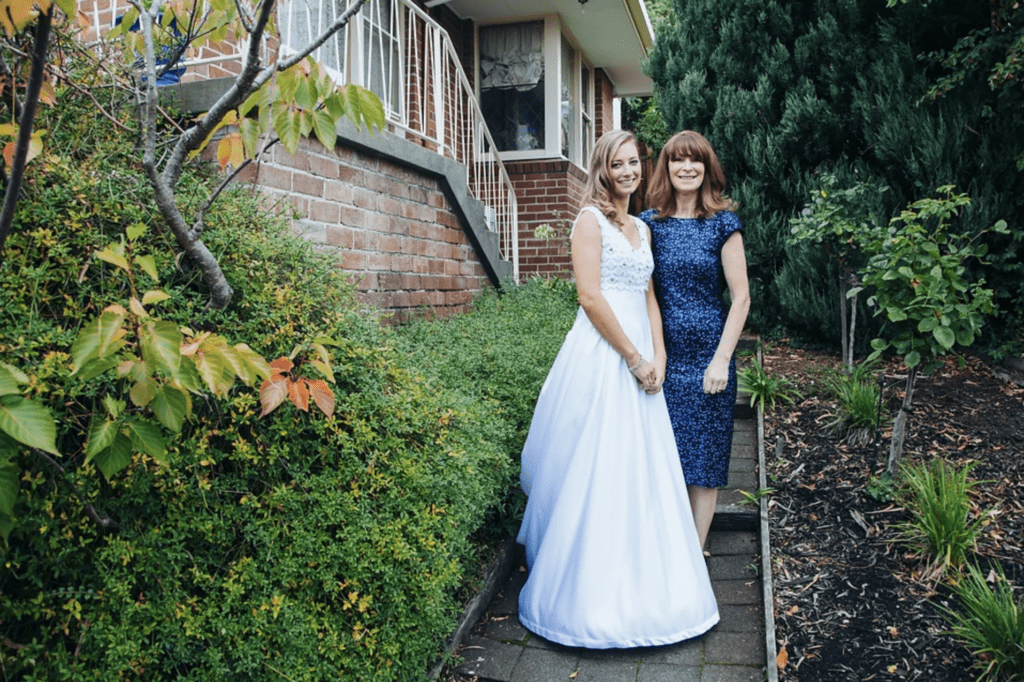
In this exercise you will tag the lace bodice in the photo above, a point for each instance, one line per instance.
(623, 268)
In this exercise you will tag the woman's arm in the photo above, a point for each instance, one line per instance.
(586, 266)
(657, 331)
(734, 263)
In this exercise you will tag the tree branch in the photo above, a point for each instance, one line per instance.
(6, 72)
(349, 12)
(197, 225)
(28, 114)
(90, 511)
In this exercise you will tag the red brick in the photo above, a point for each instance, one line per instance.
(323, 166)
(272, 176)
(353, 217)
(353, 260)
(324, 211)
(340, 236)
(388, 244)
(364, 198)
(340, 192)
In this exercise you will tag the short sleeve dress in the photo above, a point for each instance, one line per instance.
(690, 283)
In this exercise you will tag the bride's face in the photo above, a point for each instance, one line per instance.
(624, 170)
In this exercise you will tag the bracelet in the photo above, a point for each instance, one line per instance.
(637, 365)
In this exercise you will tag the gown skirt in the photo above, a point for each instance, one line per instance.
(613, 554)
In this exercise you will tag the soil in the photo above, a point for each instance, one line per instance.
(851, 601)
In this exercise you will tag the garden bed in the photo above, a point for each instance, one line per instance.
(850, 603)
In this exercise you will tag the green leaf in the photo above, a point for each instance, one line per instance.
(97, 366)
(114, 458)
(98, 339)
(160, 343)
(896, 314)
(154, 296)
(135, 231)
(879, 344)
(945, 337)
(28, 423)
(215, 369)
(927, 324)
(148, 265)
(10, 473)
(143, 392)
(115, 407)
(147, 437)
(325, 129)
(171, 406)
(102, 433)
(288, 126)
(114, 258)
(912, 359)
(965, 337)
(11, 378)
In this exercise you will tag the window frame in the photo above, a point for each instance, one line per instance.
(554, 33)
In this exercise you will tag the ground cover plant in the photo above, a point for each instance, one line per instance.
(853, 600)
(296, 543)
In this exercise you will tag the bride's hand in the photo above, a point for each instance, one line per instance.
(646, 375)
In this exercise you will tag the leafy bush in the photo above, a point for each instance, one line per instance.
(857, 397)
(937, 496)
(498, 354)
(296, 544)
(991, 623)
(765, 389)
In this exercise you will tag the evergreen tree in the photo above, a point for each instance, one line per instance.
(787, 91)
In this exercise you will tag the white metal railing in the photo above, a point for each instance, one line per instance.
(397, 50)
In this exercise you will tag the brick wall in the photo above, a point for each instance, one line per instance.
(394, 227)
(548, 193)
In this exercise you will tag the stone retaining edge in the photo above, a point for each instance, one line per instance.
(495, 576)
(767, 598)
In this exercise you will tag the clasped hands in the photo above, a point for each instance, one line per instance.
(647, 375)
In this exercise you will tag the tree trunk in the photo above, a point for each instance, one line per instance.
(853, 330)
(28, 115)
(842, 323)
(899, 426)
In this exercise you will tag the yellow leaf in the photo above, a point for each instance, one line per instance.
(47, 95)
(137, 308)
(154, 296)
(9, 153)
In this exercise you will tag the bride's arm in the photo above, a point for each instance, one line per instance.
(657, 331)
(586, 266)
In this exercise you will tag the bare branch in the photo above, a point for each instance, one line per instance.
(349, 12)
(244, 15)
(197, 225)
(90, 511)
(6, 72)
(28, 115)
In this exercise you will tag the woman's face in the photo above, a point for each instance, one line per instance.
(686, 174)
(624, 170)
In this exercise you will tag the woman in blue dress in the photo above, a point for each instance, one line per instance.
(698, 253)
(614, 560)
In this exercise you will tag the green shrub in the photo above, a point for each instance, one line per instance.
(498, 354)
(294, 546)
(990, 621)
(766, 390)
(937, 496)
(857, 416)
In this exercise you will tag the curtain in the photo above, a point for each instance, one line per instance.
(511, 56)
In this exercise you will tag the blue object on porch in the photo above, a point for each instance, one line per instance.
(164, 53)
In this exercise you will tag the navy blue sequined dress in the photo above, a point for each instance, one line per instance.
(689, 283)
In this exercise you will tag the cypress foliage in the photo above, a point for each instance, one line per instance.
(789, 90)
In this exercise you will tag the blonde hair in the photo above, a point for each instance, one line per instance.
(596, 190)
(661, 196)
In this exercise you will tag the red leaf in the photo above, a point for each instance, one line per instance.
(299, 394)
(282, 364)
(322, 394)
(272, 393)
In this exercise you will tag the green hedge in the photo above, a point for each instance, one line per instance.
(292, 547)
(498, 355)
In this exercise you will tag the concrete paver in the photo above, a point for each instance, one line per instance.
(502, 650)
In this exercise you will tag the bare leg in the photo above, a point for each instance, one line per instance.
(702, 503)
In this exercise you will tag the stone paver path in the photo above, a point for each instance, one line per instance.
(501, 650)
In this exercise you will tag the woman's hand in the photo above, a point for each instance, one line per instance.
(716, 376)
(646, 375)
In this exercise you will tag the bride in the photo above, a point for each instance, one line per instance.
(612, 550)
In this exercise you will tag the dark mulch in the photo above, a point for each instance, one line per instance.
(851, 603)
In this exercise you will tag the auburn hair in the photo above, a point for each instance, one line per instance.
(711, 198)
(596, 191)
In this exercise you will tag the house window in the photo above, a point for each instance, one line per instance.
(586, 115)
(512, 85)
(367, 51)
(535, 91)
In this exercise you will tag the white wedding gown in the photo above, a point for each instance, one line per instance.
(613, 554)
